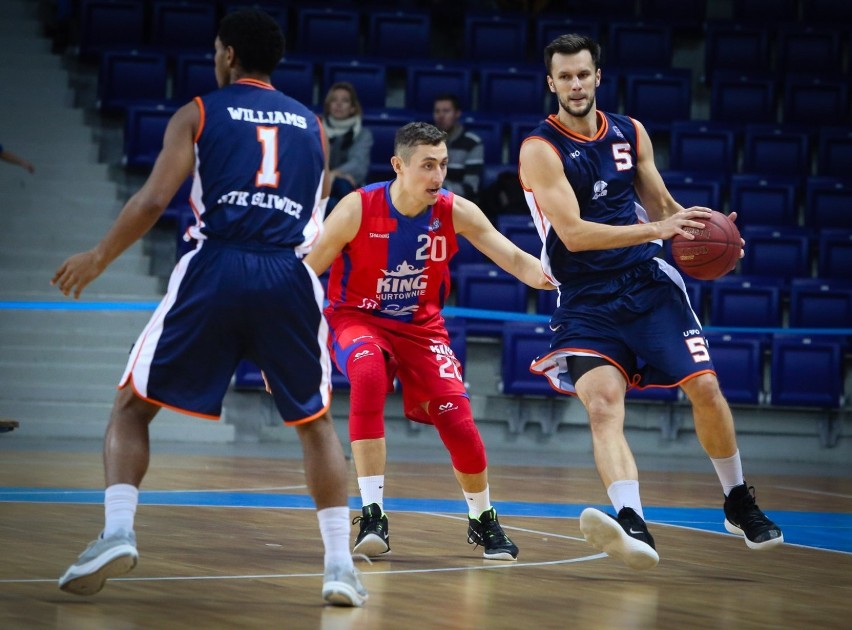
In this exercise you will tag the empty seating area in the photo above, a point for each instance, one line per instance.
(750, 111)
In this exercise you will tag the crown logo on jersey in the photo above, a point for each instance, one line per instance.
(403, 270)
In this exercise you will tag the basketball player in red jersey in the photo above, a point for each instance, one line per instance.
(390, 244)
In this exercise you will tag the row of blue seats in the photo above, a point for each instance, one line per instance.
(804, 370)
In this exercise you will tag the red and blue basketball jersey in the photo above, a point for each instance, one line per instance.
(601, 170)
(396, 267)
(259, 156)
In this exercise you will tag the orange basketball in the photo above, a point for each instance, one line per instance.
(714, 251)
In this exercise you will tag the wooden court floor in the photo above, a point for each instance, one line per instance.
(232, 542)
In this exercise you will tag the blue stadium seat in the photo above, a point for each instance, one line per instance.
(384, 128)
(495, 37)
(835, 151)
(815, 101)
(776, 252)
(110, 25)
(369, 80)
(820, 303)
(776, 150)
(329, 31)
(179, 205)
(738, 360)
(694, 190)
(467, 254)
(131, 78)
(634, 45)
(519, 128)
(510, 91)
(183, 27)
(809, 50)
(806, 371)
(827, 12)
(490, 131)
(426, 81)
(703, 147)
(522, 343)
(279, 10)
(679, 15)
(835, 254)
(736, 97)
(195, 75)
(657, 99)
(399, 36)
(550, 26)
(601, 9)
(828, 203)
(695, 291)
(659, 394)
(144, 127)
(765, 11)
(764, 200)
(249, 377)
(608, 93)
(738, 301)
(296, 79)
(521, 231)
(486, 286)
(734, 46)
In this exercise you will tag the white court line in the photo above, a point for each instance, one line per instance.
(47, 491)
(277, 576)
(819, 492)
(512, 527)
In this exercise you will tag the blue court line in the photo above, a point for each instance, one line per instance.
(822, 530)
(448, 311)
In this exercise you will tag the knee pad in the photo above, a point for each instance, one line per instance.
(453, 419)
(368, 380)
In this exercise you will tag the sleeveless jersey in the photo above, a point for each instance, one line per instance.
(601, 171)
(396, 267)
(258, 169)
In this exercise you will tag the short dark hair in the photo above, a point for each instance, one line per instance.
(414, 134)
(255, 37)
(571, 44)
(449, 96)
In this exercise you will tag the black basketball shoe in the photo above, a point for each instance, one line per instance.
(743, 517)
(373, 538)
(486, 532)
(625, 537)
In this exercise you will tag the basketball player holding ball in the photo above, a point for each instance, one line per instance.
(624, 320)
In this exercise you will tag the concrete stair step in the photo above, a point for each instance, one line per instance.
(72, 322)
(67, 356)
(17, 372)
(113, 282)
(45, 260)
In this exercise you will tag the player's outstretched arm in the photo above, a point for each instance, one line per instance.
(174, 164)
(470, 222)
(339, 229)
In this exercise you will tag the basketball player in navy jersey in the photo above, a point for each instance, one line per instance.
(260, 171)
(389, 245)
(623, 319)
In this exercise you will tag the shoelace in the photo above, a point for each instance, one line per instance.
(747, 510)
(492, 533)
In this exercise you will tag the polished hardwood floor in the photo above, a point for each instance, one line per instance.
(230, 542)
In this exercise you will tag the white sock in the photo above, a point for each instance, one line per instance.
(120, 501)
(625, 494)
(729, 471)
(335, 528)
(477, 502)
(372, 490)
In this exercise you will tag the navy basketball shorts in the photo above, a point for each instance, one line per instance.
(226, 302)
(641, 322)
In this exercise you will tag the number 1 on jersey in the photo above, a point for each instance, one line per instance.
(268, 174)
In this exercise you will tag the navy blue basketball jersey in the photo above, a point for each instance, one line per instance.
(600, 169)
(259, 156)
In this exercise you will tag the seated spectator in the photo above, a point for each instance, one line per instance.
(465, 149)
(349, 142)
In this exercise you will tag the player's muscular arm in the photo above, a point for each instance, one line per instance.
(339, 229)
(470, 222)
(541, 171)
